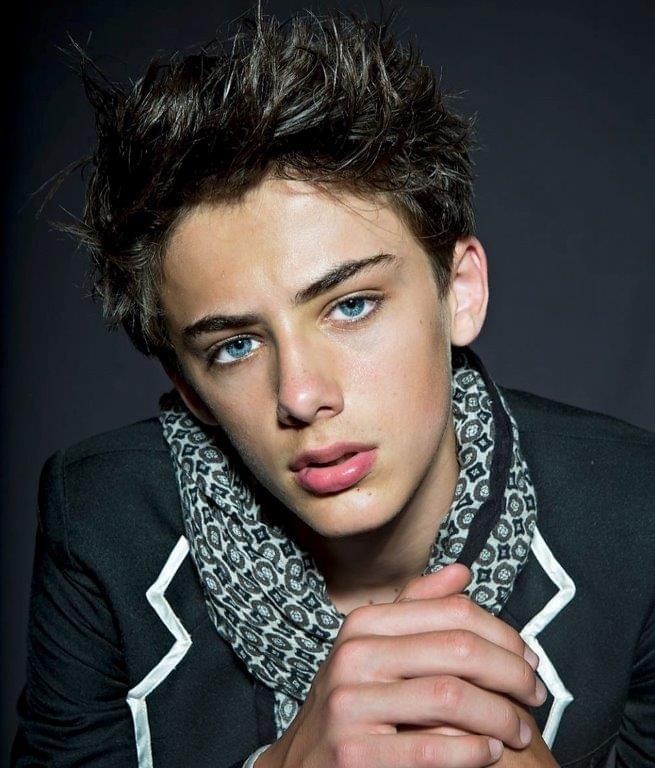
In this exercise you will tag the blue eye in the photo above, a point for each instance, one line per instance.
(353, 306)
(231, 352)
(241, 346)
(236, 350)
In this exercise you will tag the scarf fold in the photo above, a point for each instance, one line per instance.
(266, 596)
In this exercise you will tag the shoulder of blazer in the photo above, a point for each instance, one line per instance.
(110, 510)
(585, 463)
(591, 566)
(144, 435)
(114, 488)
(535, 413)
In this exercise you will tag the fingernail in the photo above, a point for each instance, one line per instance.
(495, 747)
(525, 733)
(540, 692)
(531, 657)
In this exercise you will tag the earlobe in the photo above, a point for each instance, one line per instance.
(190, 397)
(469, 292)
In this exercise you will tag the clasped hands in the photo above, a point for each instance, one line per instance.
(431, 679)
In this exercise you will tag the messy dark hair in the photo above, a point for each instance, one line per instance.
(330, 98)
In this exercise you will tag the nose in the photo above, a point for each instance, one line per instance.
(307, 388)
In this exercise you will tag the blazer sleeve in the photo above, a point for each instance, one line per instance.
(72, 709)
(635, 746)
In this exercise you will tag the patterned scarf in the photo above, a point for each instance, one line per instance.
(266, 596)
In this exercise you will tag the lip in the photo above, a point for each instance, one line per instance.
(336, 477)
(327, 453)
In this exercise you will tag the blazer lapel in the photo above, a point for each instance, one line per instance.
(541, 592)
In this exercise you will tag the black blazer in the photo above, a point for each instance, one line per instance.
(120, 643)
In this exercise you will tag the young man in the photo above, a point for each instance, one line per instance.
(340, 543)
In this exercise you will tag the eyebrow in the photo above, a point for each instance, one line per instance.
(214, 323)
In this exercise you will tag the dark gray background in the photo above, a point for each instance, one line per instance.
(564, 97)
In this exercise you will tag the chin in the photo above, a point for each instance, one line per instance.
(343, 520)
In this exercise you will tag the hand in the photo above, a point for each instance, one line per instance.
(535, 755)
(435, 660)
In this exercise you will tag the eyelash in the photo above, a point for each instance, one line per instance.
(214, 351)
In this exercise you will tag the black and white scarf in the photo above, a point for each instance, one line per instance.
(266, 596)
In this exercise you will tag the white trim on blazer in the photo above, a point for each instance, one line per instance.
(561, 696)
(136, 696)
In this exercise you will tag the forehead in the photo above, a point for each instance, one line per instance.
(273, 241)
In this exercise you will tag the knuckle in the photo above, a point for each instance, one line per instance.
(339, 702)
(346, 657)
(462, 643)
(356, 621)
(349, 753)
(447, 690)
(510, 722)
(461, 608)
(428, 752)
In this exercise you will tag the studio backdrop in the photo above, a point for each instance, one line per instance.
(563, 97)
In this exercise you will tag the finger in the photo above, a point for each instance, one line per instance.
(434, 701)
(396, 749)
(451, 579)
(377, 658)
(447, 730)
(435, 614)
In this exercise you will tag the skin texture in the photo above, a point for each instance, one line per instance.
(536, 754)
(317, 378)
(380, 672)
(361, 692)
(375, 370)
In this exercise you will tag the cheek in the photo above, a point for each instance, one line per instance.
(408, 364)
(407, 380)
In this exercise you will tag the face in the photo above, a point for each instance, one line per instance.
(361, 358)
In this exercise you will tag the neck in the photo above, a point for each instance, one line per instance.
(374, 566)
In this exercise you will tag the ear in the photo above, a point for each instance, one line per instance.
(190, 397)
(469, 292)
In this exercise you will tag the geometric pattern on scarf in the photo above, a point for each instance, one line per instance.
(508, 542)
(265, 594)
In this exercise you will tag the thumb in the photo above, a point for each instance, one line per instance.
(450, 580)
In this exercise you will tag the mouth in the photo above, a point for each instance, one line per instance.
(340, 460)
(328, 455)
(336, 475)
